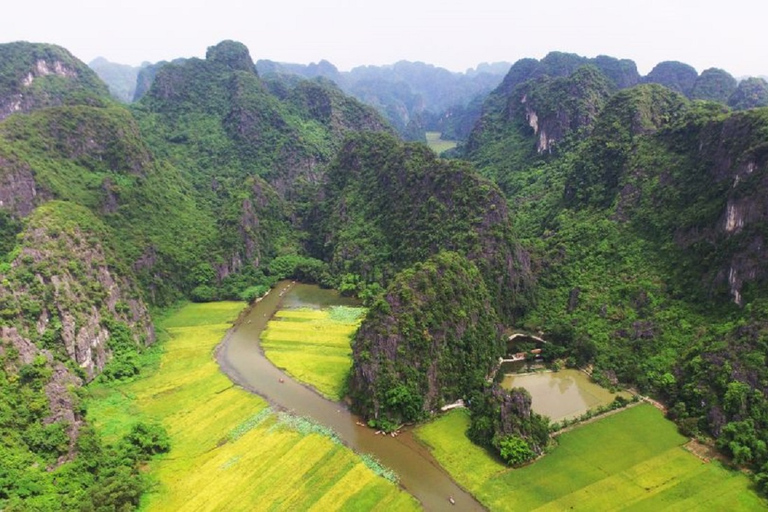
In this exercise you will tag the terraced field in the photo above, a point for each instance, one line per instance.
(313, 345)
(230, 451)
(632, 460)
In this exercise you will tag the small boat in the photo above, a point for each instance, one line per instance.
(453, 501)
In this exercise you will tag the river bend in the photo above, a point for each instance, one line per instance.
(242, 359)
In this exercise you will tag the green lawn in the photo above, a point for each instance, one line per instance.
(631, 460)
(313, 345)
(229, 450)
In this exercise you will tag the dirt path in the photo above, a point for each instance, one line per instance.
(593, 419)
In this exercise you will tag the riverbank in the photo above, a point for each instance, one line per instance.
(229, 449)
(242, 359)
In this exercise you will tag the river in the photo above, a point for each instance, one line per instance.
(241, 358)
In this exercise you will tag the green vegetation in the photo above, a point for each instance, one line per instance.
(584, 472)
(412, 96)
(34, 76)
(714, 85)
(228, 449)
(429, 341)
(106, 210)
(632, 234)
(677, 76)
(313, 346)
(751, 93)
(504, 421)
(389, 205)
(640, 272)
(120, 78)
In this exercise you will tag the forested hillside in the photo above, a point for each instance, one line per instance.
(413, 96)
(72, 308)
(646, 226)
(389, 205)
(430, 341)
(107, 211)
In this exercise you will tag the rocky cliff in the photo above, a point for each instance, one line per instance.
(62, 290)
(35, 76)
(67, 312)
(431, 340)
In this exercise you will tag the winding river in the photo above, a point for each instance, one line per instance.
(241, 358)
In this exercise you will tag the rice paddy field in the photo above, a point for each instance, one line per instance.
(632, 460)
(438, 145)
(313, 345)
(230, 451)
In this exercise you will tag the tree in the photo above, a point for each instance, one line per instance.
(515, 450)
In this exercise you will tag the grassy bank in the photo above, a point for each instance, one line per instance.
(632, 460)
(229, 450)
(313, 345)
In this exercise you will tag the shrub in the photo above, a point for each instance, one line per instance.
(252, 293)
(145, 440)
(203, 293)
(305, 269)
(515, 450)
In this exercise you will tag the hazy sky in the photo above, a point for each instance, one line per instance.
(453, 34)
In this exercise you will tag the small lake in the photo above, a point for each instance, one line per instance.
(564, 394)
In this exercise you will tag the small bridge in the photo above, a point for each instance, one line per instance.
(523, 335)
(520, 356)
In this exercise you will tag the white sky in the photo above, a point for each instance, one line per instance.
(449, 33)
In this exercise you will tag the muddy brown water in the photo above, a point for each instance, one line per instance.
(242, 359)
(564, 394)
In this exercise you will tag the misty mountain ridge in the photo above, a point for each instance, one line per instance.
(416, 97)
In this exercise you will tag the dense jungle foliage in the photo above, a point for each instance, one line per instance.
(646, 225)
(431, 339)
(389, 205)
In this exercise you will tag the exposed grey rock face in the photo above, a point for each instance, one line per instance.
(18, 192)
(44, 75)
(72, 297)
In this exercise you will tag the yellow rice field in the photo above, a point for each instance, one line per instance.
(229, 450)
(313, 346)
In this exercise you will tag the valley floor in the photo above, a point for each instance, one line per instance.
(230, 451)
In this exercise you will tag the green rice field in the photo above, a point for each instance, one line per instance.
(229, 450)
(313, 345)
(438, 145)
(632, 460)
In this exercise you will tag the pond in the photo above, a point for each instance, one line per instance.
(564, 394)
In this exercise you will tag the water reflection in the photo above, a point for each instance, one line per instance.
(560, 395)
